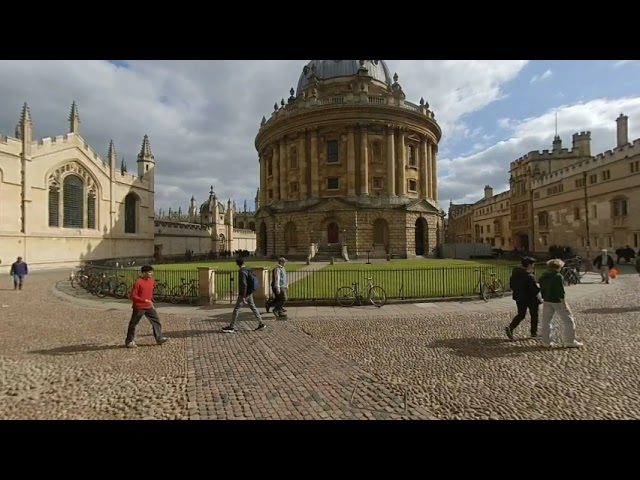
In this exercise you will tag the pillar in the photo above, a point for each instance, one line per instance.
(434, 172)
(284, 166)
(364, 160)
(302, 164)
(314, 163)
(424, 169)
(391, 161)
(351, 161)
(275, 172)
(402, 165)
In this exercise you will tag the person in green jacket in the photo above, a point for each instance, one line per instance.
(552, 290)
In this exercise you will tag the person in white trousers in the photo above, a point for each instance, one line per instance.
(553, 295)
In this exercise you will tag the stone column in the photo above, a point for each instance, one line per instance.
(364, 160)
(263, 179)
(206, 285)
(402, 169)
(302, 164)
(391, 161)
(314, 163)
(284, 166)
(261, 295)
(434, 172)
(275, 172)
(429, 170)
(424, 169)
(351, 161)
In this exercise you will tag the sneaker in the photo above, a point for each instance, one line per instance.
(131, 345)
(162, 340)
(262, 326)
(228, 329)
(574, 345)
(509, 332)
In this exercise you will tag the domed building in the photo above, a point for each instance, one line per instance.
(346, 160)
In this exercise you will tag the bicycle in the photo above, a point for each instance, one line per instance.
(579, 264)
(111, 284)
(489, 289)
(187, 291)
(346, 296)
(570, 275)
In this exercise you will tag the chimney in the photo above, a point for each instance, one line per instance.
(622, 130)
(488, 192)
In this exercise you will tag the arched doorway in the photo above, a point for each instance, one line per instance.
(263, 239)
(290, 237)
(522, 241)
(333, 233)
(422, 230)
(222, 243)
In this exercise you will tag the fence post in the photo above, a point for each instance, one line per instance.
(206, 285)
(260, 296)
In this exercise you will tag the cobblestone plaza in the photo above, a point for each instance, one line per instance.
(62, 357)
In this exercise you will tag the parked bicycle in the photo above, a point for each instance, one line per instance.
(570, 274)
(491, 288)
(187, 291)
(347, 296)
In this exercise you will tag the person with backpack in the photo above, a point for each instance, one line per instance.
(280, 288)
(247, 284)
(526, 295)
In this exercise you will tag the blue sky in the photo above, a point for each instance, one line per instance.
(202, 116)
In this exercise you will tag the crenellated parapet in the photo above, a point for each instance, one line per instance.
(602, 159)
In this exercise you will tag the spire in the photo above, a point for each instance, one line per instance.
(74, 119)
(245, 206)
(145, 151)
(111, 155)
(25, 117)
(123, 166)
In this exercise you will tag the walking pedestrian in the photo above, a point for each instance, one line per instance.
(19, 271)
(280, 287)
(525, 292)
(246, 288)
(553, 294)
(604, 263)
(142, 297)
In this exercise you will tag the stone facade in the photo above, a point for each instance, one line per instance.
(347, 160)
(60, 202)
(555, 197)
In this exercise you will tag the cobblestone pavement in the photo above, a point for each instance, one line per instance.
(62, 361)
(59, 358)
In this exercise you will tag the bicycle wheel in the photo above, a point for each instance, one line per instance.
(498, 289)
(121, 291)
(346, 296)
(177, 295)
(377, 296)
(76, 282)
(101, 290)
(485, 291)
(160, 292)
(192, 296)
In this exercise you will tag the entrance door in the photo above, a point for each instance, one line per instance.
(333, 233)
(421, 225)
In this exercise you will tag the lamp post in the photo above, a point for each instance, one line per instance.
(586, 213)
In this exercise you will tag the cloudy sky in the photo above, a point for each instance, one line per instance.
(202, 116)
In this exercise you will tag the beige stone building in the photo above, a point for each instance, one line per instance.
(211, 227)
(561, 197)
(589, 205)
(60, 202)
(347, 160)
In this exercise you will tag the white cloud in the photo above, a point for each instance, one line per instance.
(622, 63)
(539, 78)
(202, 116)
(463, 178)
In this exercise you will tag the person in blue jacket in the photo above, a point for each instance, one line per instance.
(19, 270)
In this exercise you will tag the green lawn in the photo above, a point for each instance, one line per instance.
(403, 279)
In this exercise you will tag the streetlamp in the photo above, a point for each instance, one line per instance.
(586, 212)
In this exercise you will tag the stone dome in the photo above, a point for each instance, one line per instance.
(327, 69)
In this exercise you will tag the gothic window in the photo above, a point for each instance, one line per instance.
(130, 213)
(54, 206)
(91, 210)
(619, 207)
(73, 202)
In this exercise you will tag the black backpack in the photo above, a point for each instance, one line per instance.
(252, 282)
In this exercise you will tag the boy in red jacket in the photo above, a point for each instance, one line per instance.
(142, 296)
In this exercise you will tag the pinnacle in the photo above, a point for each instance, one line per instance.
(73, 114)
(145, 151)
(26, 114)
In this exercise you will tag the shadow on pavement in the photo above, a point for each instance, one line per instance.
(612, 311)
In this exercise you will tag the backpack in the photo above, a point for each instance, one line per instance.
(252, 282)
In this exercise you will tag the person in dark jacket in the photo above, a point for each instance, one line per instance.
(245, 297)
(553, 295)
(604, 263)
(19, 270)
(525, 293)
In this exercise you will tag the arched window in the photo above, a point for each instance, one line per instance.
(54, 206)
(91, 209)
(73, 202)
(130, 213)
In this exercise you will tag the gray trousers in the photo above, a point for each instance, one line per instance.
(565, 314)
(239, 305)
(136, 316)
